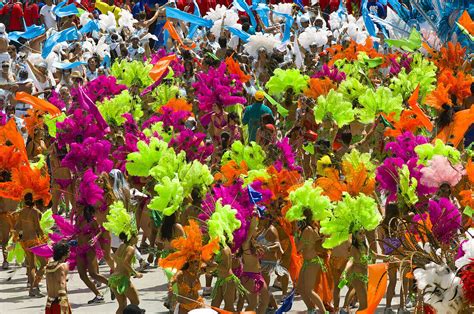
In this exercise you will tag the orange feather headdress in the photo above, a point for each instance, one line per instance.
(190, 248)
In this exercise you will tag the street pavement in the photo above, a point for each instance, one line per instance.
(152, 289)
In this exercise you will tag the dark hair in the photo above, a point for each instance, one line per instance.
(222, 42)
(167, 227)
(391, 213)
(89, 212)
(28, 198)
(233, 116)
(123, 237)
(60, 250)
(225, 137)
(267, 119)
(245, 26)
(446, 116)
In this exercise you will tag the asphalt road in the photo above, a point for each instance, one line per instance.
(152, 289)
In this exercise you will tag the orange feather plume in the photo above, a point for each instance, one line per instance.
(38, 103)
(10, 158)
(466, 21)
(450, 57)
(318, 87)
(422, 117)
(177, 104)
(459, 84)
(280, 183)
(33, 120)
(454, 132)
(234, 68)
(332, 187)
(231, 171)
(9, 135)
(190, 248)
(470, 171)
(408, 122)
(350, 53)
(357, 180)
(27, 180)
(439, 97)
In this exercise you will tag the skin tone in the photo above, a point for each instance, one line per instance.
(256, 301)
(28, 226)
(227, 291)
(61, 173)
(57, 281)
(123, 258)
(272, 252)
(6, 206)
(339, 259)
(89, 264)
(310, 246)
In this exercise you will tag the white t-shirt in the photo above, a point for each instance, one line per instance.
(49, 18)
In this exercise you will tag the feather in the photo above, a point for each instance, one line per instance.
(107, 21)
(126, 20)
(265, 41)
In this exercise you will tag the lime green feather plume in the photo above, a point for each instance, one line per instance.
(356, 158)
(132, 73)
(112, 109)
(169, 164)
(408, 186)
(282, 80)
(375, 102)
(309, 197)
(51, 123)
(15, 252)
(162, 95)
(40, 163)
(423, 72)
(348, 216)
(119, 220)
(252, 175)
(352, 88)
(426, 152)
(47, 221)
(253, 155)
(223, 223)
(195, 175)
(140, 163)
(335, 107)
(170, 195)
(157, 128)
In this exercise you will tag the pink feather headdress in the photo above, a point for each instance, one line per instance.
(439, 171)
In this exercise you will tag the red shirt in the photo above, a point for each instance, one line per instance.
(31, 14)
(16, 16)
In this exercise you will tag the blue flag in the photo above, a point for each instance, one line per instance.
(239, 33)
(194, 28)
(30, 32)
(369, 24)
(287, 303)
(299, 3)
(183, 16)
(67, 65)
(63, 10)
(288, 24)
(70, 33)
(242, 4)
(262, 11)
(256, 197)
(89, 27)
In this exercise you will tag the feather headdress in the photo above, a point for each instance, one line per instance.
(258, 41)
(223, 223)
(190, 248)
(312, 36)
(119, 220)
(282, 80)
(309, 197)
(350, 215)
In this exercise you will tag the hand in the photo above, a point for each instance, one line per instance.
(138, 275)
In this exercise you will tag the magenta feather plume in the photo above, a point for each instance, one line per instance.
(89, 192)
(445, 218)
(218, 87)
(103, 87)
(237, 197)
(287, 158)
(78, 126)
(404, 145)
(56, 100)
(175, 119)
(387, 175)
(92, 153)
(193, 144)
(330, 72)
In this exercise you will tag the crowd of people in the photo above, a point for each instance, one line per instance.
(305, 147)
